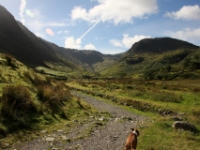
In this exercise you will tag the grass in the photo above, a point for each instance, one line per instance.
(161, 136)
(147, 98)
(30, 101)
(50, 103)
(18, 107)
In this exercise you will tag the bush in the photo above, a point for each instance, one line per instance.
(17, 106)
(10, 61)
(34, 78)
(53, 97)
(167, 97)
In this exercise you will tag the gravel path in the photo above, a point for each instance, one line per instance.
(112, 135)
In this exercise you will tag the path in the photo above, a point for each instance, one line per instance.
(110, 136)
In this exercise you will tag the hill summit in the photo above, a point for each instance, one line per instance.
(159, 45)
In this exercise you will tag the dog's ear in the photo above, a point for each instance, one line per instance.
(132, 129)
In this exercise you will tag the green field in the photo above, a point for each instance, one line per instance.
(162, 101)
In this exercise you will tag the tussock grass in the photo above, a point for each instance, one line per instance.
(34, 78)
(53, 98)
(17, 107)
(167, 97)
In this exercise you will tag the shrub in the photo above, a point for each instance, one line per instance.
(167, 97)
(34, 78)
(17, 106)
(53, 97)
(10, 61)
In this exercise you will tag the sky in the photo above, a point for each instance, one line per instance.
(107, 26)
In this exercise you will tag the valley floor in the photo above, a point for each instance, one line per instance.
(102, 133)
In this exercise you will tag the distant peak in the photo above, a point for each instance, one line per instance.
(159, 45)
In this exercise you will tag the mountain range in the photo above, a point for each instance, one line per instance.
(146, 58)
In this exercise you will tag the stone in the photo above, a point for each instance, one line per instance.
(50, 139)
(60, 131)
(43, 131)
(101, 119)
(64, 138)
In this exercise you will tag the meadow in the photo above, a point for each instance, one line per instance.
(162, 101)
(31, 101)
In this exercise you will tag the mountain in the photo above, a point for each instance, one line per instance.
(18, 41)
(152, 55)
(87, 59)
(157, 57)
(160, 45)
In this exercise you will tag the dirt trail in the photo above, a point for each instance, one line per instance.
(110, 136)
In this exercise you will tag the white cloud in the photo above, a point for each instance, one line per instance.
(21, 10)
(78, 41)
(127, 41)
(117, 43)
(116, 11)
(59, 32)
(90, 47)
(70, 42)
(66, 31)
(29, 13)
(186, 13)
(187, 34)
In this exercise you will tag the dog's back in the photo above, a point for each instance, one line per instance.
(131, 141)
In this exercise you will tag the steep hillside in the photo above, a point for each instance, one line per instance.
(18, 41)
(30, 100)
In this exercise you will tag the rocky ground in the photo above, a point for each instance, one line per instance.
(89, 134)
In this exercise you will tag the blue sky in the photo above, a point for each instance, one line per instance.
(108, 26)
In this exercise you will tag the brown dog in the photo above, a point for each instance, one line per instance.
(131, 141)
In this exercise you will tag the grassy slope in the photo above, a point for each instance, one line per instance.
(31, 101)
(185, 92)
(181, 97)
(129, 65)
